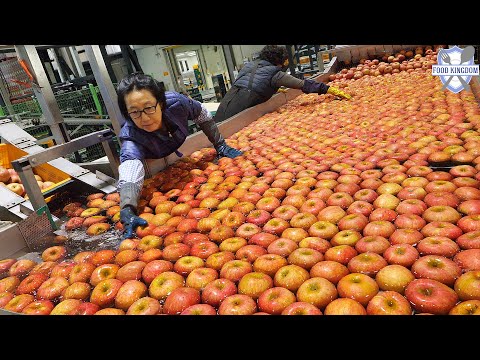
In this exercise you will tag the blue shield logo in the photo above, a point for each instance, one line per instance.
(451, 60)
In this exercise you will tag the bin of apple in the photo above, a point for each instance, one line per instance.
(10, 179)
(336, 207)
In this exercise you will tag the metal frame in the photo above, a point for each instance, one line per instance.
(24, 165)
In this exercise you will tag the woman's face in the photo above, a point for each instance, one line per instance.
(138, 100)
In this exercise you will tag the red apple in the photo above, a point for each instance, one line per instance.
(317, 291)
(301, 308)
(468, 259)
(275, 300)
(340, 253)
(234, 270)
(282, 247)
(345, 306)
(401, 254)
(77, 290)
(39, 307)
(438, 245)
(469, 307)
(143, 306)
(290, 277)
(430, 296)
(368, 263)
(437, 268)
(389, 303)
(129, 292)
(131, 271)
(237, 304)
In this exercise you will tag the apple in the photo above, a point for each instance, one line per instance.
(331, 214)
(401, 254)
(63, 269)
(192, 238)
(388, 303)
(305, 257)
(175, 251)
(90, 212)
(52, 288)
(469, 207)
(21, 268)
(412, 192)
(180, 299)
(77, 290)
(382, 214)
(83, 256)
(217, 260)
(203, 249)
(253, 284)
(5, 297)
(217, 290)
(356, 222)
(176, 237)
(406, 236)
(411, 206)
(346, 237)
(199, 309)
(283, 247)
(469, 307)
(466, 286)
(149, 242)
(186, 264)
(442, 213)
(200, 277)
(469, 223)
(468, 259)
(438, 245)
(10, 284)
(470, 240)
(437, 268)
(243, 207)
(94, 220)
(131, 271)
(164, 284)
(409, 221)
(39, 307)
(394, 278)
(30, 284)
(275, 300)
(143, 306)
(86, 308)
(290, 277)
(105, 291)
(359, 287)
(237, 304)
(44, 267)
(154, 268)
(366, 195)
(81, 272)
(150, 255)
(262, 239)
(105, 256)
(66, 307)
(6, 264)
(344, 306)
(340, 253)
(430, 296)
(128, 293)
(301, 308)
(368, 263)
(125, 256)
(54, 253)
(16, 188)
(234, 270)
(376, 244)
(317, 291)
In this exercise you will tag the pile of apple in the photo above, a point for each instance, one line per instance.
(366, 206)
(10, 179)
(404, 60)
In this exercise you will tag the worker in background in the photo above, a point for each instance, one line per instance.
(156, 126)
(259, 80)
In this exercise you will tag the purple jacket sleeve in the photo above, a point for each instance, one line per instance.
(311, 86)
(131, 150)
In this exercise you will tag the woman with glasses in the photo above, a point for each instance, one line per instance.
(156, 126)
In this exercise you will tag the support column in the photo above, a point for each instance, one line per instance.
(105, 85)
(229, 59)
(77, 61)
(44, 93)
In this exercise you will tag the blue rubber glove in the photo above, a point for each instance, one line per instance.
(130, 221)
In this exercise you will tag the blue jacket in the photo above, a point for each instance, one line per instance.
(140, 144)
(261, 80)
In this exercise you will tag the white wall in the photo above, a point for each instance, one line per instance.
(245, 51)
(153, 62)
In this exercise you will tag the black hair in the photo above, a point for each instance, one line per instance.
(274, 54)
(139, 81)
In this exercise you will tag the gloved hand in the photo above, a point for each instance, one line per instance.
(337, 92)
(130, 221)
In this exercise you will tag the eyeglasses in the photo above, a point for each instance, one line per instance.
(148, 110)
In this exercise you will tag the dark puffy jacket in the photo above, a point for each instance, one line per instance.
(140, 144)
(261, 83)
